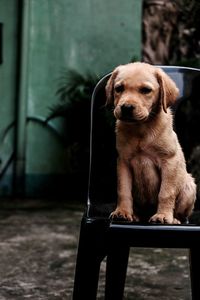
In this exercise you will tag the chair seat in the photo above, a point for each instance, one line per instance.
(137, 234)
(155, 235)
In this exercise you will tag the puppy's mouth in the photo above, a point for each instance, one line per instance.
(128, 120)
(133, 120)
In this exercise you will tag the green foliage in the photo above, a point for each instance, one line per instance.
(190, 10)
(74, 88)
(192, 63)
(189, 35)
(74, 95)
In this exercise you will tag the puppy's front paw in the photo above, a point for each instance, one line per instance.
(176, 221)
(162, 218)
(120, 213)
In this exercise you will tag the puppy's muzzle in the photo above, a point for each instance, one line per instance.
(127, 111)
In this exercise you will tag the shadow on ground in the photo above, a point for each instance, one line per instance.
(38, 246)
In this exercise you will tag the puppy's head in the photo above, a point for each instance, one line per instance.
(139, 91)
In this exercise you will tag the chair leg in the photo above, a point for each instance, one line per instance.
(117, 261)
(91, 252)
(195, 272)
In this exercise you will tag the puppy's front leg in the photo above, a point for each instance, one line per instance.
(166, 197)
(124, 189)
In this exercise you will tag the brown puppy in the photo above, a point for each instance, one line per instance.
(152, 176)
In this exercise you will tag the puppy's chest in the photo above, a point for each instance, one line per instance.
(146, 168)
(140, 153)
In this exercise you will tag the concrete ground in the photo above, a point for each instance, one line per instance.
(38, 245)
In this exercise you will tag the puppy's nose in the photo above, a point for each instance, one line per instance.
(126, 110)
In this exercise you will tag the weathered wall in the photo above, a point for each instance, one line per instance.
(88, 35)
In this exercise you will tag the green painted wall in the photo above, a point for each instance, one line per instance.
(89, 35)
(85, 35)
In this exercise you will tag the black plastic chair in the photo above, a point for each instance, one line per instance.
(99, 236)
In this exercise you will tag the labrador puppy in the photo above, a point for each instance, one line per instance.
(153, 182)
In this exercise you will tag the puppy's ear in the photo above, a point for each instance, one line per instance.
(110, 88)
(168, 89)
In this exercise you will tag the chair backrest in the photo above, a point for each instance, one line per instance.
(102, 177)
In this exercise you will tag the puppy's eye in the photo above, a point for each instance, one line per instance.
(119, 88)
(145, 90)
